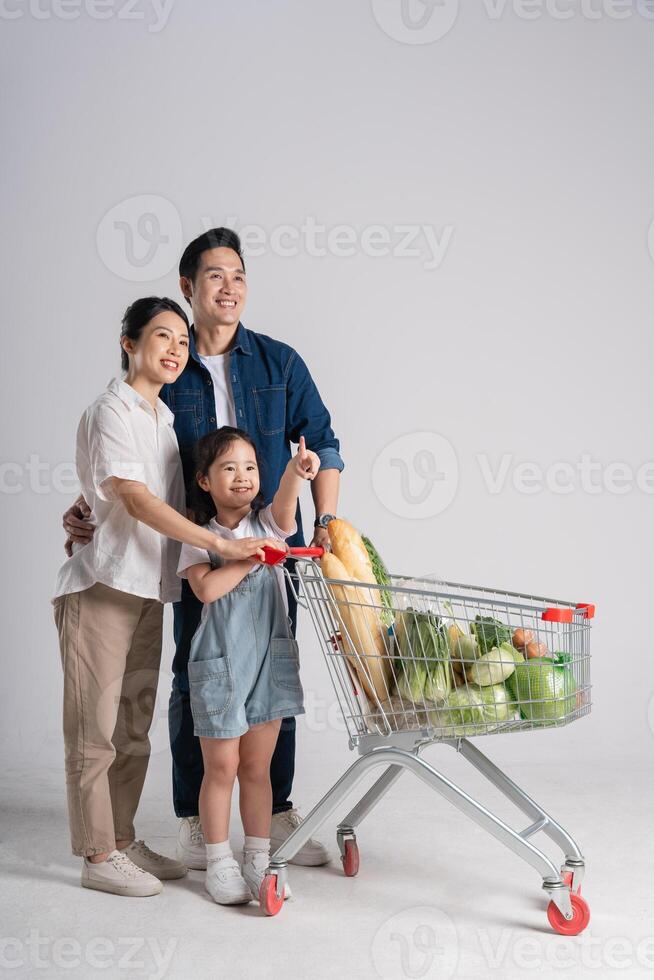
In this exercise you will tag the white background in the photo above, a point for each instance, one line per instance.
(524, 143)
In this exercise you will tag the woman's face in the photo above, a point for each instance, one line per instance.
(161, 351)
(233, 478)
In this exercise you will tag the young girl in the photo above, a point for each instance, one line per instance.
(109, 597)
(243, 666)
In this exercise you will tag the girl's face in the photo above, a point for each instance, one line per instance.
(161, 352)
(233, 478)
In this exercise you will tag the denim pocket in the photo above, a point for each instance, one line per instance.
(211, 686)
(270, 405)
(285, 663)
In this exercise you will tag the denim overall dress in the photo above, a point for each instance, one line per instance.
(244, 666)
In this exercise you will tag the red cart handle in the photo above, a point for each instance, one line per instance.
(554, 615)
(275, 557)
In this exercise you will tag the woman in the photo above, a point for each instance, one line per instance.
(108, 602)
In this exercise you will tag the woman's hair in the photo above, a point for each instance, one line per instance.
(207, 450)
(138, 315)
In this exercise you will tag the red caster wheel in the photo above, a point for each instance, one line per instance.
(351, 858)
(269, 901)
(567, 878)
(575, 925)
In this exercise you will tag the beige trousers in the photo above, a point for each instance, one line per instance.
(110, 644)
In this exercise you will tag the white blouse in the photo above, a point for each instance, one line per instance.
(120, 435)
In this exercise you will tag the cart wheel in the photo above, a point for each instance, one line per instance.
(351, 858)
(269, 901)
(575, 925)
(567, 880)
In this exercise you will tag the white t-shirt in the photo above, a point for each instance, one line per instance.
(218, 367)
(121, 435)
(261, 525)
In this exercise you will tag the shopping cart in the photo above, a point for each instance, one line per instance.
(422, 661)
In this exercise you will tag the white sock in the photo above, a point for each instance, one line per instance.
(253, 844)
(216, 852)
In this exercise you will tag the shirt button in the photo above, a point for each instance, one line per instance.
(212, 419)
(209, 381)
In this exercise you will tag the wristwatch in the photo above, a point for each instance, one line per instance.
(323, 520)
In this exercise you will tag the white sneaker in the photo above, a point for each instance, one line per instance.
(159, 865)
(283, 824)
(225, 883)
(255, 865)
(190, 844)
(120, 876)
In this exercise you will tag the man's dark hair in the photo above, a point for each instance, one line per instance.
(138, 315)
(209, 448)
(215, 238)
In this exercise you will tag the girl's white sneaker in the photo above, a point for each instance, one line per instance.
(255, 865)
(119, 876)
(225, 883)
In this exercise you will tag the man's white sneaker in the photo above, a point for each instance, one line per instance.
(283, 824)
(162, 867)
(190, 844)
(255, 865)
(225, 883)
(120, 876)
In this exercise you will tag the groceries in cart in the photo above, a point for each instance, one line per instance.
(418, 657)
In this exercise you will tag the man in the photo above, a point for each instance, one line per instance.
(236, 377)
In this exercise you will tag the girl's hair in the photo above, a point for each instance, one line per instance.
(138, 315)
(207, 450)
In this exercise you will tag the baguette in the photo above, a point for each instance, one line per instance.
(361, 630)
(347, 544)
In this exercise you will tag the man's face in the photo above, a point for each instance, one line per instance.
(219, 290)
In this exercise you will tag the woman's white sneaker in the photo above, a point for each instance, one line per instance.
(255, 865)
(225, 883)
(162, 867)
(119, 876)
(191, 849)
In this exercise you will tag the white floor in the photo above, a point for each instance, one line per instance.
(435, 897)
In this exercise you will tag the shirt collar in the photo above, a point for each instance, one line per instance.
(131, 398)
(241, 342)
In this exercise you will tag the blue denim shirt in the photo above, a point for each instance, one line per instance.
(275, 400)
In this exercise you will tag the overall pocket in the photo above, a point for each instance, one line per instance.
(211, 687)
(285, 663)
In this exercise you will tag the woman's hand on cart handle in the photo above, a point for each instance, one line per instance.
(244, 548)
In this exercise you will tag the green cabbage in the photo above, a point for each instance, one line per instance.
(545, 688)
(472, 709)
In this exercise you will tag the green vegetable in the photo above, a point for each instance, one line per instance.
(494, 667)
(462, 646)
(472, 709)
(424, 668)
(382, 577)
(544, 688)
(490, 633)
